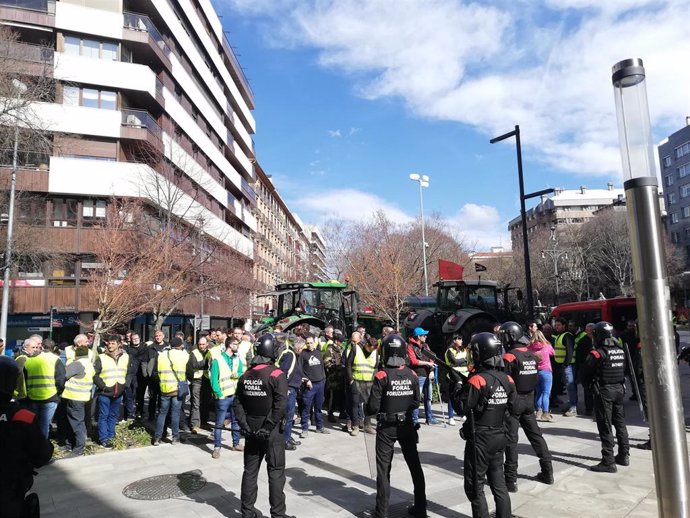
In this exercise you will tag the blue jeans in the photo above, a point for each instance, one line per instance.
(108, 412)
(314, 395)
(544, 383)
(425, 393)
(44, 412)
(168, 403)
(571, 386)
(290, 417)
(223, 408)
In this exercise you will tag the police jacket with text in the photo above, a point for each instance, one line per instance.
(606, 363)
(395, 391)
(521, 364)
(490, 393)
(261, 397)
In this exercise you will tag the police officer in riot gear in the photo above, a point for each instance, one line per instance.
(484, 399)
(521, 365)
(394, 395)
(260, 406)
(605, 371)
(23, 448)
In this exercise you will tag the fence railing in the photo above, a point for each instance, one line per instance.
(141, 119)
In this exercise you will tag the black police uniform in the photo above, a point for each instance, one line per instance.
(605, 369)
(394, 395)
(521, 365)
(489, 393)
(23, 448)
(260, 406)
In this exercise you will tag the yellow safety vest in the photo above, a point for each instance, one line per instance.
(113, 372)
(20, 392)
(213, 353)
(172, 366)
(40, 376)
(280, 358)
(559, 348)
(79, 389)
(198, 357)
(363, 368)
(71, 354)
(454, 354)
(324, 344)
(227, 379)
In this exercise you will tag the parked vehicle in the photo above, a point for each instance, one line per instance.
(617, 311)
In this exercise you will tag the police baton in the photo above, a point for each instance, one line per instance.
(633, 377)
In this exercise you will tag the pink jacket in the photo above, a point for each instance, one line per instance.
(543, 351)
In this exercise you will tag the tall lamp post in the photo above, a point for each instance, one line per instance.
(423, 181)
(523, 214)
(666, 418)
(20, 89)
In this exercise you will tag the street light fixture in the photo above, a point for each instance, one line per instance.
(666, 419)
(20, 89)
(423, 181)
(555, 254)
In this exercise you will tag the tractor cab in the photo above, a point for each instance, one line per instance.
(454, 295)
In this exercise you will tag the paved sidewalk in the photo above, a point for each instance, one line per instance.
(329, 476)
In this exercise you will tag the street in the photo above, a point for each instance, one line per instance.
(329, 476)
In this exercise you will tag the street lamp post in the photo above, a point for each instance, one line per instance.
(555, 254)
(423, 181)
(20, 88)
(666, 418)
(523, 214)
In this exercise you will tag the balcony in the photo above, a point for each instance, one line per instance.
(140, 126)
(144, 36)
(30, 12)
(248, 191)
(32, 170)
(29, 59)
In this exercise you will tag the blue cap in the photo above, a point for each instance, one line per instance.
(418, 331)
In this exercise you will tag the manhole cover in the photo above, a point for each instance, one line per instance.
(162, 487)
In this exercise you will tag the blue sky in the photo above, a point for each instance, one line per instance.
(353, 95)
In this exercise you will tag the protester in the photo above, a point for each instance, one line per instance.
(77, 396)
(171, 369)
(458, 356)
(199, 388)
(224, 371)
(289, 363)
(544, 352)
(314, 377)
(424, 370)
(45, 379)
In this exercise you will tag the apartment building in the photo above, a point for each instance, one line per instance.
(317, 255)
(281, 245)
(141, 86)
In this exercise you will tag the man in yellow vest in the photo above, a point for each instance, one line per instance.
(564, 346)
(171, 367)
(199, 388)
(45, 379)
(76, 396)
(457, 356)
(225, 369)
(112, 374)
(79, 341)
(360, 369)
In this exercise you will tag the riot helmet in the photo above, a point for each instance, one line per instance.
(394, 351)
(510, 334)
(602, 331)
(266, 346)
(9, 372)
(486, 349)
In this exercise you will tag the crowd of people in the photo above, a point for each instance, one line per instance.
(82, 388)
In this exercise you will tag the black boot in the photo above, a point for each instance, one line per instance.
(604, 468)
(512, 487)
(623, 459)
(546, 474)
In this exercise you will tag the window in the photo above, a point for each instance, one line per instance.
(64, 212)
(686, 212)
(683, 170)
(109, 51)
(682, 150)
(675, 237)
(672, 198)
(70, 95)
(687, 232)
(674, 217)
(668, 180)
(667, 161)
(685, 191)
(89, 98)
(90, 48)
(108, 100)
(72, 45)
(93, 212)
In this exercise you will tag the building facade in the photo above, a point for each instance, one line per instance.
(141, 88)
(674, 161)
(565, 207)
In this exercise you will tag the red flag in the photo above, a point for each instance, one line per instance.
(448, 270)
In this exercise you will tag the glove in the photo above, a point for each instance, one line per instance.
(262, 434)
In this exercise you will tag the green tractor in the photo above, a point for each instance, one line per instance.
(462, 307)
(318, 304)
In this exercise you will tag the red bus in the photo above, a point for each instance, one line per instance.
(616, 311)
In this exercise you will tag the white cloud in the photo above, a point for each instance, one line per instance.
(346, 204)
(334, 133)
(480, 227)
(545, 66)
